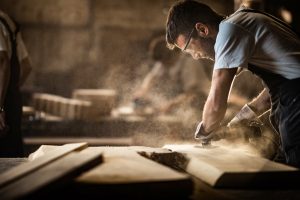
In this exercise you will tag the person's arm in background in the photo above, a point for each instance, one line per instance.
(4, 80)
(176, 101)
(25, 62)
(25, 69)
(148, 81)
(194, 82)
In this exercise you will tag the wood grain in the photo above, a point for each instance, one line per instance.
(28, 167)
(125, 173)
(52, 176)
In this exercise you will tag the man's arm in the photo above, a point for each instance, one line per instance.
(25, 69)
(252, 110)
(216, 103)
(4, 79)
(261, 103)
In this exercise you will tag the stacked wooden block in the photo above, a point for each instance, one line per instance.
(85, 104)
(102, 101)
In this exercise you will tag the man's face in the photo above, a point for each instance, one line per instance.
(198, 47)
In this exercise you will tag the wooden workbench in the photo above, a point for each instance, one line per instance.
(133, 170)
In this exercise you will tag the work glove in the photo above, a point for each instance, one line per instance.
(246, 116)
(205, 138)
(200, 134)
(245, 124)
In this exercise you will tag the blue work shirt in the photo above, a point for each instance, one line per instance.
(249, 37)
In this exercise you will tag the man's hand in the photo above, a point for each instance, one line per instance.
(219, 133)
(246, 124)
(200, 132)
(204, 136)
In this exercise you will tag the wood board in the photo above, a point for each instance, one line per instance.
(220, 166)
(40, 183)
(28, 167)
(125, 173)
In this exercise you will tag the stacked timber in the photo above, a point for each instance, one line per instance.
(85, 104)
(70, 109)
(102, 101)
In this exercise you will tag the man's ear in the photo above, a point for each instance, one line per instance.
(202, 29)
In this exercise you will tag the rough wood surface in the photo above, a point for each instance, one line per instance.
(28, 167)
(126, 173)
(52, 176)
(124, 165)
(231, 167)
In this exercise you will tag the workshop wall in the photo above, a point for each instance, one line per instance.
(90, 43)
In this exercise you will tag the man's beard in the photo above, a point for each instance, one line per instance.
(208, 47)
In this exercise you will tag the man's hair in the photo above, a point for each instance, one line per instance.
(183, 16)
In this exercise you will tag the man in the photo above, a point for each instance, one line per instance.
(14, 69)
(173, 84)
(245, 40)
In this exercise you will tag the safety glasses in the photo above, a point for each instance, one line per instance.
(189, 39)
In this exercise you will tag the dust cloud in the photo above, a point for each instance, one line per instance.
(265, 145)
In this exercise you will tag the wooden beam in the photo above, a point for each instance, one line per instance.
(222, 166)
(28, 167)
(52, 176)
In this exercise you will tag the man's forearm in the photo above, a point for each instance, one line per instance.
(213, 114)
(25, 70)
(261, 103)
(216, 103)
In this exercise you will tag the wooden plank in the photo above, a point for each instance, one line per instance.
(222, 166)
(99, 141)
(51, 177)
(28, 167)
(125, 173)
(8, 163)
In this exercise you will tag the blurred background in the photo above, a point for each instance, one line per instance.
(104, 45)
(90, 43)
